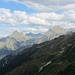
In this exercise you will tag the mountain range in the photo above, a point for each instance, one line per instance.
(12, 42)
(20, 40)
(52, 33)
(34, 35)
(54, 57)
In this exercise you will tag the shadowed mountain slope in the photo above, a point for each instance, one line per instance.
(56, 57)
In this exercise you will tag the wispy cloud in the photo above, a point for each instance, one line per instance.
(27, 30)
(48, 5)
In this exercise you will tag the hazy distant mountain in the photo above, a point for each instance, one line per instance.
(50, 34)
(19, 36)
(55, 57)
(34, 35)
(12, 42)
(55, 32)
(58, 29)
(72, 30)
(18, 39)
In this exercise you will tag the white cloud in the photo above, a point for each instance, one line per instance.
(15, 18)
(4, 34)
(43, 19)
(36, 22)
(48, 5)
(20, 17)
(69, 16)
(68, 7)
(27, 30)
(6, 17)
(35, 30)
(38, 19)
(37, 7)
(49, 16)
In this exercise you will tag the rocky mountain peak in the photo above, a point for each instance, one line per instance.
(58, 29)
(16, 34)
(19, 36)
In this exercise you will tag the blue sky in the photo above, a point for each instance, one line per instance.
(14, 6)
(36, 16)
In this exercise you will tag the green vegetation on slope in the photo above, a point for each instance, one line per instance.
(60, 51)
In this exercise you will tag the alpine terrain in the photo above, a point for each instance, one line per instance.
(18, 40)
(55, 57)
